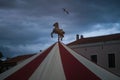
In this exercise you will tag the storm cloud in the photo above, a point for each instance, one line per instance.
(25, 25)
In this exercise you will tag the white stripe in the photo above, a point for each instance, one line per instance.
(50, 68)
(102, 73)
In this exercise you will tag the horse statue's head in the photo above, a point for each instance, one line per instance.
(56, 25)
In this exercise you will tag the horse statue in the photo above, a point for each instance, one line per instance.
(58, 31)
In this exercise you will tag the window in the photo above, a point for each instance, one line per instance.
(94, 58)
(111, 60)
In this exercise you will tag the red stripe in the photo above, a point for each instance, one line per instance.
(25, 72)
(74, 70)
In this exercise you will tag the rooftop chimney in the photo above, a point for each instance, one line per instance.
(77, 37)
(82, 37)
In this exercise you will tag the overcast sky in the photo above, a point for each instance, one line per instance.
(25, 25)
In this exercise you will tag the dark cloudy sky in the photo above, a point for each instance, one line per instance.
(25, 25)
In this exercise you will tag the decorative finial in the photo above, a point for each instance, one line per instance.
(58, 31)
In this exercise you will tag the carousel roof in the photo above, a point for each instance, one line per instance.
(58, 62)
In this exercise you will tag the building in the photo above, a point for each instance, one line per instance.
(102, 50)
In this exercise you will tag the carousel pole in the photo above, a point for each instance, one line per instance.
(58, 38)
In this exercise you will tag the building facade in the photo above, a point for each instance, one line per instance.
(102, 50)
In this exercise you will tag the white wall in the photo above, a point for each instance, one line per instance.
(101, 49)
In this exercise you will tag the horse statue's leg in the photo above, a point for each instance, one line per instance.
(61, 38)
(52, 34)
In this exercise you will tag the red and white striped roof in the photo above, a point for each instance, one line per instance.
(58, 62)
